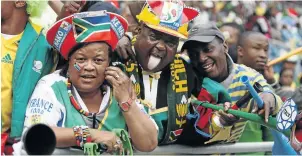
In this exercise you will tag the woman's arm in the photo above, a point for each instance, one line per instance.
(64, 136)
(141, 127)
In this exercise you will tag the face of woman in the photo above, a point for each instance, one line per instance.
(93, 59)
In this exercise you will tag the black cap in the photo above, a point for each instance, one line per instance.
(204, 33)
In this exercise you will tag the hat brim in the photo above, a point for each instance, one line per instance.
(167, 31)
(203, 39)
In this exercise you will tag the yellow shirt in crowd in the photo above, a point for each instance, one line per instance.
(9, 46)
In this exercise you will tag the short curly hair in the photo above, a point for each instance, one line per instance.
(35, 8)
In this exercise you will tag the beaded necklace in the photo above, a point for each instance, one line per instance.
(74, 102)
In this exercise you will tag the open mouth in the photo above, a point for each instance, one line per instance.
(88, 77)
(153, 62)
(208, 66)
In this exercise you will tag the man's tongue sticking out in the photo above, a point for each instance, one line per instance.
(153, 62)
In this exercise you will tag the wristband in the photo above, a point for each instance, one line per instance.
(82, 135)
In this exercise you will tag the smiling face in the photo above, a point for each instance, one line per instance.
(209, 58)
(254, 52)
(154, 49)
(93, 59)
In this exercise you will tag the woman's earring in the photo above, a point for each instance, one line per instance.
(20, 4)
(67, 74)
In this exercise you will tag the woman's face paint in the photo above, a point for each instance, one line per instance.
(77, 67)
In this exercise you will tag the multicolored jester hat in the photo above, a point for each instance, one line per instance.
(280, 126)
(171, 16)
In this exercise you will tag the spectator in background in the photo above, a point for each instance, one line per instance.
(290, 63)
(253, 52)
(231, 32)
(286, 78)
(26, 57)
(258, 23)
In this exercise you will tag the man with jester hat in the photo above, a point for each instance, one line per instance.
(25, 58)
(163, 81)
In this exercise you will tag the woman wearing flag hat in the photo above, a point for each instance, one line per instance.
(87, 99)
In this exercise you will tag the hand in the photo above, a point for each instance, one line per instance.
(112, 142)
(269, 74)
(124, 48)
(122, 86)
(268, 105)
(225, 118)
(71, 7)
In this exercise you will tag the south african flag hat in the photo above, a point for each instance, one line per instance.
(86, 27)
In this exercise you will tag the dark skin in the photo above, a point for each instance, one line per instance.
(13, 19)
(210, 59)
(93, 59)
(210, 54)
(91, 77)
(157, 44)
(254, 52)
(286, 78)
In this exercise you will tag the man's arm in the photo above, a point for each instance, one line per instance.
(56, 6)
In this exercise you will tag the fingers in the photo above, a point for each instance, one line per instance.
(255, 109)
(73, 6)
(115, 71)
(227, 119)
(115, 76)
(118, 147)
(267, 111)
(124, 48)
(124, 53)
(130, 52)
(109, 145)
(227, 106)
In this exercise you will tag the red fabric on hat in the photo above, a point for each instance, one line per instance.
(70, 40)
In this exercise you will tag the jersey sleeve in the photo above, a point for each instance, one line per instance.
(43, 107)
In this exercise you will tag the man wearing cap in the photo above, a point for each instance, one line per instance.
(26, 57)
(208, 53)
